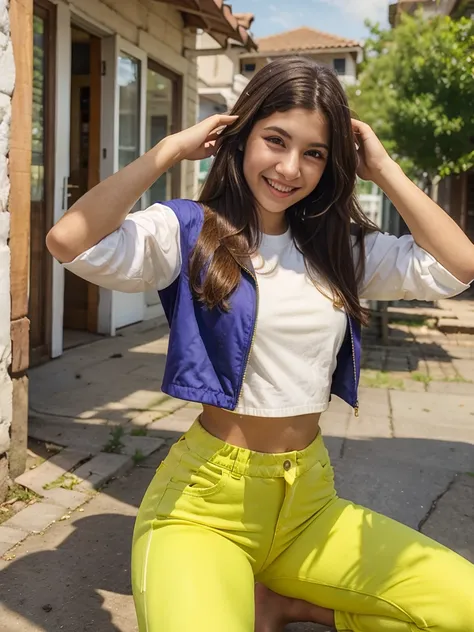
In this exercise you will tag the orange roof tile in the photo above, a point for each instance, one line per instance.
(303, 38)
(245, 19)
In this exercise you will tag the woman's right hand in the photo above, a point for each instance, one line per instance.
(201, 140)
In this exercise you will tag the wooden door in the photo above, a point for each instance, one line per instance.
(42, 180)
(80, 297)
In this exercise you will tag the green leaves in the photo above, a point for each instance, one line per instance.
(416, 89)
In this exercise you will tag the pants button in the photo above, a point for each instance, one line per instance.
(287, 465)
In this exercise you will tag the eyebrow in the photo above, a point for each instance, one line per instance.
(284, 133)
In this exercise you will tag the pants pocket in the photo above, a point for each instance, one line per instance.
(204, 481)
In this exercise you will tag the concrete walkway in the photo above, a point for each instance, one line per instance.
(409, 455)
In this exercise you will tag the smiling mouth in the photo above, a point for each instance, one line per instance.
(279, 189)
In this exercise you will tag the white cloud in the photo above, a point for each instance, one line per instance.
(373, 10)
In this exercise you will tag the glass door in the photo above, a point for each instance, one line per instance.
(131, 85)
(163, 117)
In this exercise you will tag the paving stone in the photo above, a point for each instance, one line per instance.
(145, 445)
(367, 426)
(102, 468)
(69, 432)
(9, 537)
(466, 369)
(374, 401)
(52, 469)
(144, 418)
(180, 421)
(457, 325)
(165, 403)
(35, 517)
(67, 498)
(335, 424)
(413, 386)
(456, 388)
(442, 406)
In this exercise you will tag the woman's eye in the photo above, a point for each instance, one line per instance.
(315, 154)
(274, 140)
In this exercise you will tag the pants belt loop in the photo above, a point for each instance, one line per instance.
(238, 467)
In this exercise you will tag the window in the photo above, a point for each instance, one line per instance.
(248, 67)
(163, 117)
(129, 70)
(340, 66)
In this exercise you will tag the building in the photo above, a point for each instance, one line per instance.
(337, 52)
(220, 81)
(98, 82)
(455, 193)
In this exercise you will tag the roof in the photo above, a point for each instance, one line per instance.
(303, 38)
(245, 19)
(215, 18)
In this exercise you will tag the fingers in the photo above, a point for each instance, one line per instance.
(218, 121)
(361, 130)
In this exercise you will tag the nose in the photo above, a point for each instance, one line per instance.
(289, 166)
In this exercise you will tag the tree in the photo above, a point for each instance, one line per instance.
(416, 89)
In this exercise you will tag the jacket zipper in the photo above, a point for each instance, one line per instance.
(356, 407)
(257, 295)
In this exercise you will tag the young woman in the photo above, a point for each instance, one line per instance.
(261, 281)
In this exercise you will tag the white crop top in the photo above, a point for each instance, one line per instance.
(298, 330)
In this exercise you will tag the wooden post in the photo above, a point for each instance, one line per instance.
(21, 25)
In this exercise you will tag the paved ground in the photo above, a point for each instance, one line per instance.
(409, 455)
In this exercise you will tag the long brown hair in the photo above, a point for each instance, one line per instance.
(320, 224)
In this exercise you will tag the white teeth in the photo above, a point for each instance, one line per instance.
(279, 187)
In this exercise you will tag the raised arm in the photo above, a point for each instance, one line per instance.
(431, 227)
(103, 209)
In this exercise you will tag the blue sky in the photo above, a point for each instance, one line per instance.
(340, 17)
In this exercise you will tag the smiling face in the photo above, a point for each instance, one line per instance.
(284, 160)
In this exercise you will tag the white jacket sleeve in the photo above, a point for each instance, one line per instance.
(143, 254)
(397, 268)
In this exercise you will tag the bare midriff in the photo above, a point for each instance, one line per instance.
(261, 434)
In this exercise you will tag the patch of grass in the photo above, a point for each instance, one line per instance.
(18, 492)
(381, 379)
(138, 457)
(422, 322)
(115, 444)
(139, 432)
(421, 377)
(458, 378)
(66, 481)
(15, 493)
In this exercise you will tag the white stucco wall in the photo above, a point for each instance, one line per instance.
(7, 77)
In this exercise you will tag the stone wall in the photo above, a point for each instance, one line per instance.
(7, 75)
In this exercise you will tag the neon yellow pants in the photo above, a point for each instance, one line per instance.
(217, 518)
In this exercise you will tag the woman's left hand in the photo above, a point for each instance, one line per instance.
(373, 157)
